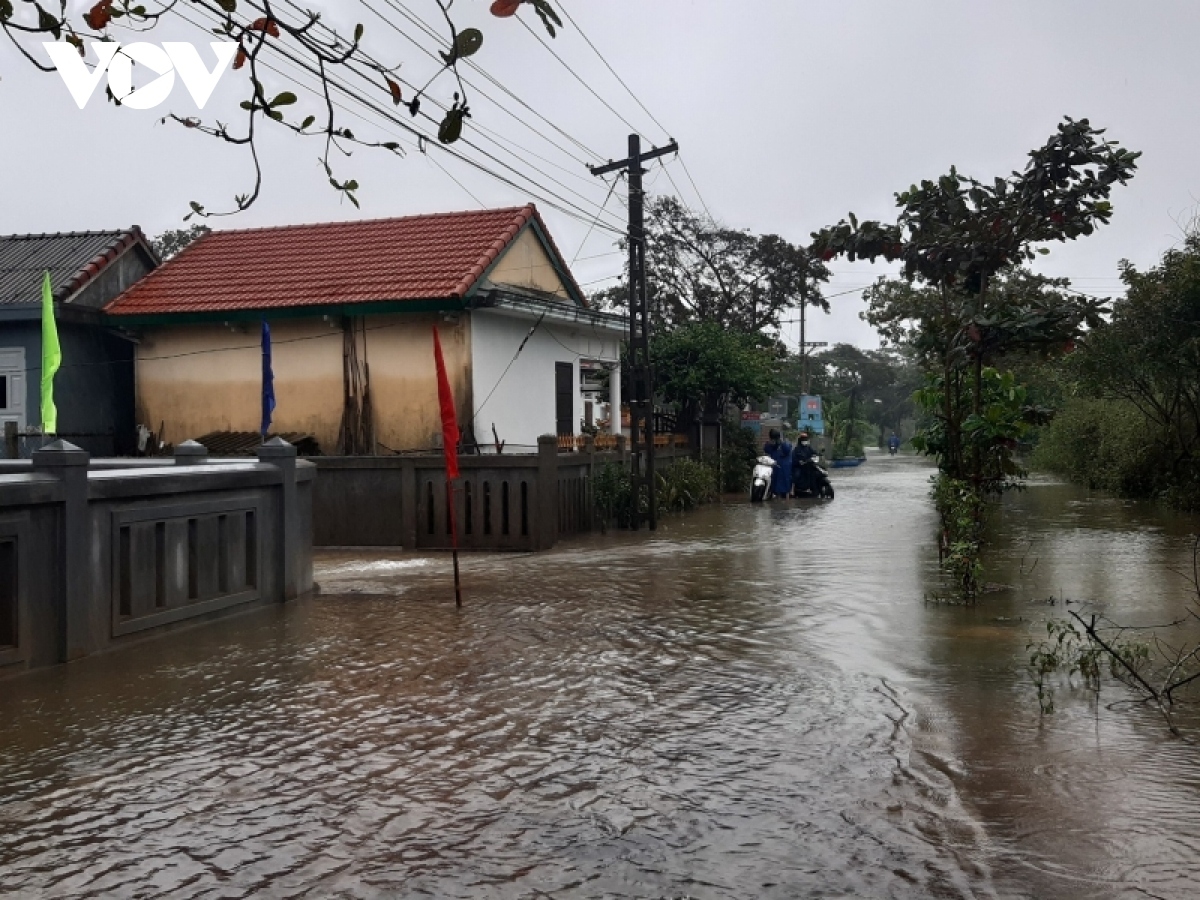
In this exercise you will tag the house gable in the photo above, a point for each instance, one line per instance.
(526, 264)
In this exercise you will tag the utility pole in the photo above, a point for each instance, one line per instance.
(641, 378)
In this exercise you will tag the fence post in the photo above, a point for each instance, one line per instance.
(282, 455)
(77, 632)
(589, 449)
(12, 447)
(623, 450)
(408, 504)
(190, 453)
(547, 495)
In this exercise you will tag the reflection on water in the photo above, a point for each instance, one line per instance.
(754, 702)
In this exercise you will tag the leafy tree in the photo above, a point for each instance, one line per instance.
(886, 375)
(700, 271)
(170, 242)
(953, 336)
(702, 365)
(266, 28)
(1144, 366)
(956, 235)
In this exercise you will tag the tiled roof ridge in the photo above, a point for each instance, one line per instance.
(444, 257)
(92, 268)
(524, 214)
(353, 223)
(115, 232)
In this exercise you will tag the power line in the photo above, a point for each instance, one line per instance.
(577, 76)
(592, 227)
(559, 203)
(412, 17)
(478, 127)
(688, 173)
(371, 81)
(628, 89)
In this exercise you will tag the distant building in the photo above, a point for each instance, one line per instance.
(811, 415)
(352, 308)
(94, 386)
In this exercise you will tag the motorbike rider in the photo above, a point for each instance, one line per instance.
(804, 453)
(780, 451)
(893, 443)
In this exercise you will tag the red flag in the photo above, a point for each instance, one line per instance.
(446, 402)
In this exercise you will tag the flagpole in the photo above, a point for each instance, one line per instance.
(450, 438)
(453, 541)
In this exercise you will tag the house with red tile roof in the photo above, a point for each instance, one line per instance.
(94, 385)
(352, 307)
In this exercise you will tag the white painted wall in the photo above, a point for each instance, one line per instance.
(522, 402)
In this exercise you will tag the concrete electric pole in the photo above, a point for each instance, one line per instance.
(641, 378)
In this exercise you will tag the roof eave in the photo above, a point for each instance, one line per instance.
(373, 307)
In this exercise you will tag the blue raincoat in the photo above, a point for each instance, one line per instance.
(781, 477)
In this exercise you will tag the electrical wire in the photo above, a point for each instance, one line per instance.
(559, 203)
(628, 89)
(369, 79)
(482, 129)
(592, 227)
(496, 386)
(578, 77)
(412, 17)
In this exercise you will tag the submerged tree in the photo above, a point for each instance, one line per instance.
(957, 238)
(1131, 421)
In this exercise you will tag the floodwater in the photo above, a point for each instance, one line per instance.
(753, 702)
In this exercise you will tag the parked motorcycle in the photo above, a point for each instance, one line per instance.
(815, 480)
(760, 479)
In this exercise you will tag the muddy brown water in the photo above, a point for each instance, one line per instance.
(753, 702)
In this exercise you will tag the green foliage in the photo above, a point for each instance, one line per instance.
(957, 231)
(1069, 651)
(703, 363)
(887, 375)
(685, 484)
(1130, 415)
(960, 547)
(964, 239)
(170, 242)
(845, 428)
(990, 436)
(700, 271)
(682, 485)
(1102, 444)
(735, 460)
(612, 490)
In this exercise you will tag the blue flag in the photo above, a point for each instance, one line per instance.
(268, 381)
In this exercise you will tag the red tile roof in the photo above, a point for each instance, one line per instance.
(429, 257)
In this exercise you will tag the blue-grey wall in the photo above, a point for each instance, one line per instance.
(93, 389)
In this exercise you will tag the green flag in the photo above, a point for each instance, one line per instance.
(51, 359)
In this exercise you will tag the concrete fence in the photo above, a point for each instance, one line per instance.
(501, 502)
(97, 553)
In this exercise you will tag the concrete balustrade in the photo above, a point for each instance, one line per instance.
(94, 554)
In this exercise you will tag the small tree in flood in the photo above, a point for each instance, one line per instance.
(955, 237)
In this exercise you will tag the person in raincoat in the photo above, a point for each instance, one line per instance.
(802, 480)
(780, 451)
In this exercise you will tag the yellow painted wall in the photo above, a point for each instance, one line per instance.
(525, 264)
(193, 393)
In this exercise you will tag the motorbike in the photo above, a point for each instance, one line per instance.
(760, 479)
(816, 479)
(892, 450)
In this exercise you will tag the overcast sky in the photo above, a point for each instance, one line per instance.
(789, 114)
